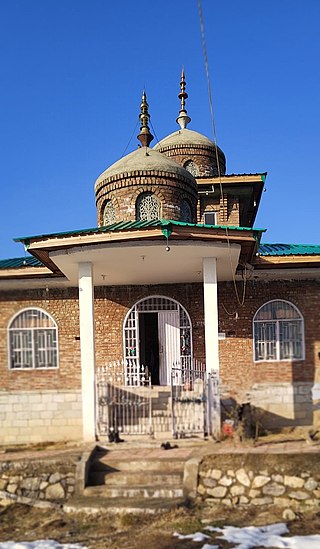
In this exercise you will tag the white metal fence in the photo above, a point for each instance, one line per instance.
(123, 399)
(195, 401)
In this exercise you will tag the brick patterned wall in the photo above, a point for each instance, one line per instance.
(63, 306)
(123, 191)
(239, 373)
(227, 208)
(204, 158)
(112, 305)
(236, 353)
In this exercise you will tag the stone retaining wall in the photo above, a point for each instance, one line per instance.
(285, 480)
(37, 481)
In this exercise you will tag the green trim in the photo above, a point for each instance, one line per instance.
(166, 229)
(17, 262)
(133, 225)
(288, 249)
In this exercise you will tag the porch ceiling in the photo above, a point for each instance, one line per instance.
(149, 262)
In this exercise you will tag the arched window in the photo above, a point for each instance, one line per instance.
(185, 211)
(278, 332)
(147, 207)
(109, 215)
(191, 167)
(33, 340)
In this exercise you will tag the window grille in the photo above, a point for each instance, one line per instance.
(278, 332)
(148, 207)
(185, 211)
(191, 167)
(33, 341)
(109, 214)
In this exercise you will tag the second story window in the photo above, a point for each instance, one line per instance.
(109, 215)
(147, 207)
(185, 211)
(191, 167)
(210, 218)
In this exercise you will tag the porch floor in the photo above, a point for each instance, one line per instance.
(146, 447)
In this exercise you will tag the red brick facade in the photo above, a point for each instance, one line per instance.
(238, 369)
(203, 157)
(63, 306)
(124, 191)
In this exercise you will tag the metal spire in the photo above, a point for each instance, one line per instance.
(183, 119)
(145, 137)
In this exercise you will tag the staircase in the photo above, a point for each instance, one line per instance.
(135, 480)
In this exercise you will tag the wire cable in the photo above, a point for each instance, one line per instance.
(125, 150)
(205, 55)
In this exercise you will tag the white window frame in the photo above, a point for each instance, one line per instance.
(276, 323)
(32, 330)
(212, 212)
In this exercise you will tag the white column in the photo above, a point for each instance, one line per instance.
(210, 293)
(87, 348)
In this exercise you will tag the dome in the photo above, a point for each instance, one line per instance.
(184, 137)
(144, 160)
(146, 184)
(191, 149)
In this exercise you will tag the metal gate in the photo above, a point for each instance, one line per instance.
(195, 401)
(123, 399)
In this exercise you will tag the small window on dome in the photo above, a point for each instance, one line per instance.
(147, 207)
(191, 167)
(185, 211)
(109, 214)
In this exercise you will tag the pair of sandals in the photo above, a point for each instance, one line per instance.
(113, 436)
(168, 446)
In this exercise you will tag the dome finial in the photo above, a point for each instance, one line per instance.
(183, 119)
(145, 137)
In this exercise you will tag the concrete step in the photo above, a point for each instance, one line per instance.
(159, 492)
(145, 506)
(167, 465)
(135, 478)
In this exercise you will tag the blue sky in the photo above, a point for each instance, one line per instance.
(72, 72)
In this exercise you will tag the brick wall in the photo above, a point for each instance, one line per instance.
(239, 373)
(238, 369)
(63, 306)
(123, 191)
(226, 206)
(204, 158)
(236, 357)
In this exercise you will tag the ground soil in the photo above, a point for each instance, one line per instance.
(22, 523)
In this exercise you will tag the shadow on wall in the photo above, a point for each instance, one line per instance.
(249, 420)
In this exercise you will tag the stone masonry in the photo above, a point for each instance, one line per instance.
(284, 480)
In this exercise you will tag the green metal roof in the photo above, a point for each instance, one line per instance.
(264, 249)
(17, 262)
(288, 249)
(128, 225)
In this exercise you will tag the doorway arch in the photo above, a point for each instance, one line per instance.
(157, 334)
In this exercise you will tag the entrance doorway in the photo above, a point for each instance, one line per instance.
(157, 336)
(149, 344)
